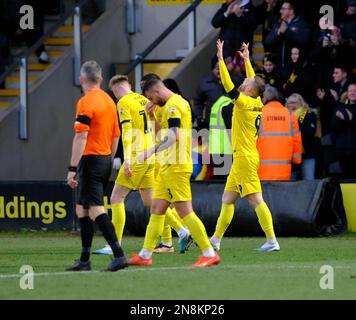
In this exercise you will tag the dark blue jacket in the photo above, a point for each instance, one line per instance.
(344, 131)
(297, 34)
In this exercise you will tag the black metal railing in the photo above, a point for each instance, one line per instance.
(27, 52)
(21, 61)
(140, 56)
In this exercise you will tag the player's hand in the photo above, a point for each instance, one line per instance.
(71, 179)
(220, 46)
(141, 158)
(150, 108)
(127, 168)
(244, 53)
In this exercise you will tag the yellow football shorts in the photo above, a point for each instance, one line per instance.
(243, 177)
(173, 187)
(142, 177)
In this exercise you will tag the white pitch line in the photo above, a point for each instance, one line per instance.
(145, 269)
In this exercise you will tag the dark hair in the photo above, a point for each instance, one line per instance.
(150, 84)
(270, 57)
(172, 85)
(292, 4)
(149, 76)
(343, 68)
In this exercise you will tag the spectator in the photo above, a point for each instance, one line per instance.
(267, 14)
(237, 24)
(290, 31)
(298, 77)
(208, 91)
(307, 120)
(341, 81)
(349, 24)
(269, 72)
(279, 141)
(220, 149)
(329, 96)
(343, 127)
(330, 50)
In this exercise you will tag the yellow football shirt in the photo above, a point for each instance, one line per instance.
(178, 157)
(132, 108)
(246, 119)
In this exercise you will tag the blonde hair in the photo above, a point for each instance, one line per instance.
(117, 79)
(300, 100)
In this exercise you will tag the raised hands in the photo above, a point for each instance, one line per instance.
(244, 53)
(220, 46)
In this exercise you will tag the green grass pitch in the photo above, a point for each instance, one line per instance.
(292, 273)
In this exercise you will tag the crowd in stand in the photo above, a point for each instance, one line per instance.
(310, 64)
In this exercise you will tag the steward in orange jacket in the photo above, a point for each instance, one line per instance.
(279, 143)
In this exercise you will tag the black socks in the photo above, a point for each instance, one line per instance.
(108, 231)
(86, 233)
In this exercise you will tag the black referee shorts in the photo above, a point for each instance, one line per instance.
(93, 175)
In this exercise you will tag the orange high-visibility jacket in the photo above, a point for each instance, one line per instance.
(279, 142)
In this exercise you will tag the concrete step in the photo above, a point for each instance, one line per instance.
(257, 45)
(36, 67)
(13, 82)
(257, 37)
(59, 41)
(9, 92)
(4, 104)
(259, 50)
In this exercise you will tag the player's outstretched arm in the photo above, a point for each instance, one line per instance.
(245, 54)
(224, 73)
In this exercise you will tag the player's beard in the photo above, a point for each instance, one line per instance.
(161, 102)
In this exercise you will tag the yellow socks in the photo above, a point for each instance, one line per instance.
(118, 219)
(175, 213)
(197, 231)
(224, 220)
(265, 220)
(167, 233)
(172, 220)
(153, 231)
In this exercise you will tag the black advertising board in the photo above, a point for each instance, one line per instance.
(36, 205)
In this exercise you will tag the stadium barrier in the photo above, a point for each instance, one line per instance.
(301, 208)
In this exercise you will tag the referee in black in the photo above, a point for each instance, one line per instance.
(94, 145)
